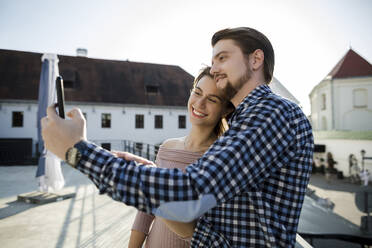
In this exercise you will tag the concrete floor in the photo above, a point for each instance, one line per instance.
(93, 220)
(340, 192)
(84, 221)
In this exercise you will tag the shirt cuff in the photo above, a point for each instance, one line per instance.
(82, 147)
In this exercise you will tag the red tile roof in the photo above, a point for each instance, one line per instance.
(96, 80)
(351, 65)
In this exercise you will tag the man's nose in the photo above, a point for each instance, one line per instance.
(214, 69)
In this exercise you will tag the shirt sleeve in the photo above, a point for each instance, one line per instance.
(134, 184)
(242, 157)
(256, 145)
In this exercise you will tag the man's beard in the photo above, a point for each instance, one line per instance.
(229, 91)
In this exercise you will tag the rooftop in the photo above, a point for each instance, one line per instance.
(351, 65)
(96, 80)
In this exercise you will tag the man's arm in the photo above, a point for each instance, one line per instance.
(241, 158)
(149, 189)
(258, 143)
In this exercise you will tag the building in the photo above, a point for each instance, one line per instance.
(121, 100)
(279, 89)
(341, 111)
(340, 101)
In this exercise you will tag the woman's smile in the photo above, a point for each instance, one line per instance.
(198, 114)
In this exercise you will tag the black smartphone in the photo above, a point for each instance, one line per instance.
(60, 97)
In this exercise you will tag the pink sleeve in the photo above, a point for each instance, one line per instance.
(142, 222)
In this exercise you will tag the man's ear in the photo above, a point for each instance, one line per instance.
(257, 59)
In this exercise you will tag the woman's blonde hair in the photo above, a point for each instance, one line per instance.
(222, 125)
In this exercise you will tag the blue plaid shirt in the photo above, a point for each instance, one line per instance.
(247, 190)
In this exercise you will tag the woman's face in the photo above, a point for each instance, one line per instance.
(205, 104)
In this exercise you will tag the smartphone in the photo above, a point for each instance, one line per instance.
(60, 97)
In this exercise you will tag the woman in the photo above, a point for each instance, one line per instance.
(207, 110)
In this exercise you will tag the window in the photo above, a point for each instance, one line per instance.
(323, 107)
(106, 146)
(152, 89)
(140, 121)
(106, 120)
(17, 119)
(360, 98)
(324, 123)
(68, 84)
(139, 146)
(182, 121)
(69, 79)
(156, 149)
(158, 121)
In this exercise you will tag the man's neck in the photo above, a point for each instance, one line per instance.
(247, 88)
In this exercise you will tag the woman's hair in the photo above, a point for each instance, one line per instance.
(222, 125)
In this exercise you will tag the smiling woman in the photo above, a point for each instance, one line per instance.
(207, 110)
(207, 105)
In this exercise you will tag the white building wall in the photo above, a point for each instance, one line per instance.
(349, 117)
(342, 148)
(346, 115)
(314, 111)
(29, 129)
(321, 118)
(122, 122)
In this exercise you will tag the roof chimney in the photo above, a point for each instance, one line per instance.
(82, 52)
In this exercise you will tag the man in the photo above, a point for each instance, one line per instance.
(247, 189)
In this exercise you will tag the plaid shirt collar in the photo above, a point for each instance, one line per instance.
(251, 98)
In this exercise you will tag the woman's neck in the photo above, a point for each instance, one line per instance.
(199, 139)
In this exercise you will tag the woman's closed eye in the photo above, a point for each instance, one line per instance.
(196, 92)
(213, 100)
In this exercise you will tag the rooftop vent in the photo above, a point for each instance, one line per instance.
(82, 52)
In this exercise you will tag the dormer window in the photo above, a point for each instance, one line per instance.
(152, 89)
(69, 79)
(67, 84)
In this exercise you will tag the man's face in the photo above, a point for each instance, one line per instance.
(229, 67)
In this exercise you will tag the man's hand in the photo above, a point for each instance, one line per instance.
(60, 134)
(131, 156)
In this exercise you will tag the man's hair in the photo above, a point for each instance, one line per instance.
(249, 40)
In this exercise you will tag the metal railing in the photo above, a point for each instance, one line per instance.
(147, 151)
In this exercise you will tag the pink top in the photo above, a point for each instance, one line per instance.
(160, 235)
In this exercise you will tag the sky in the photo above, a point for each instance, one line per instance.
(309, 36)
